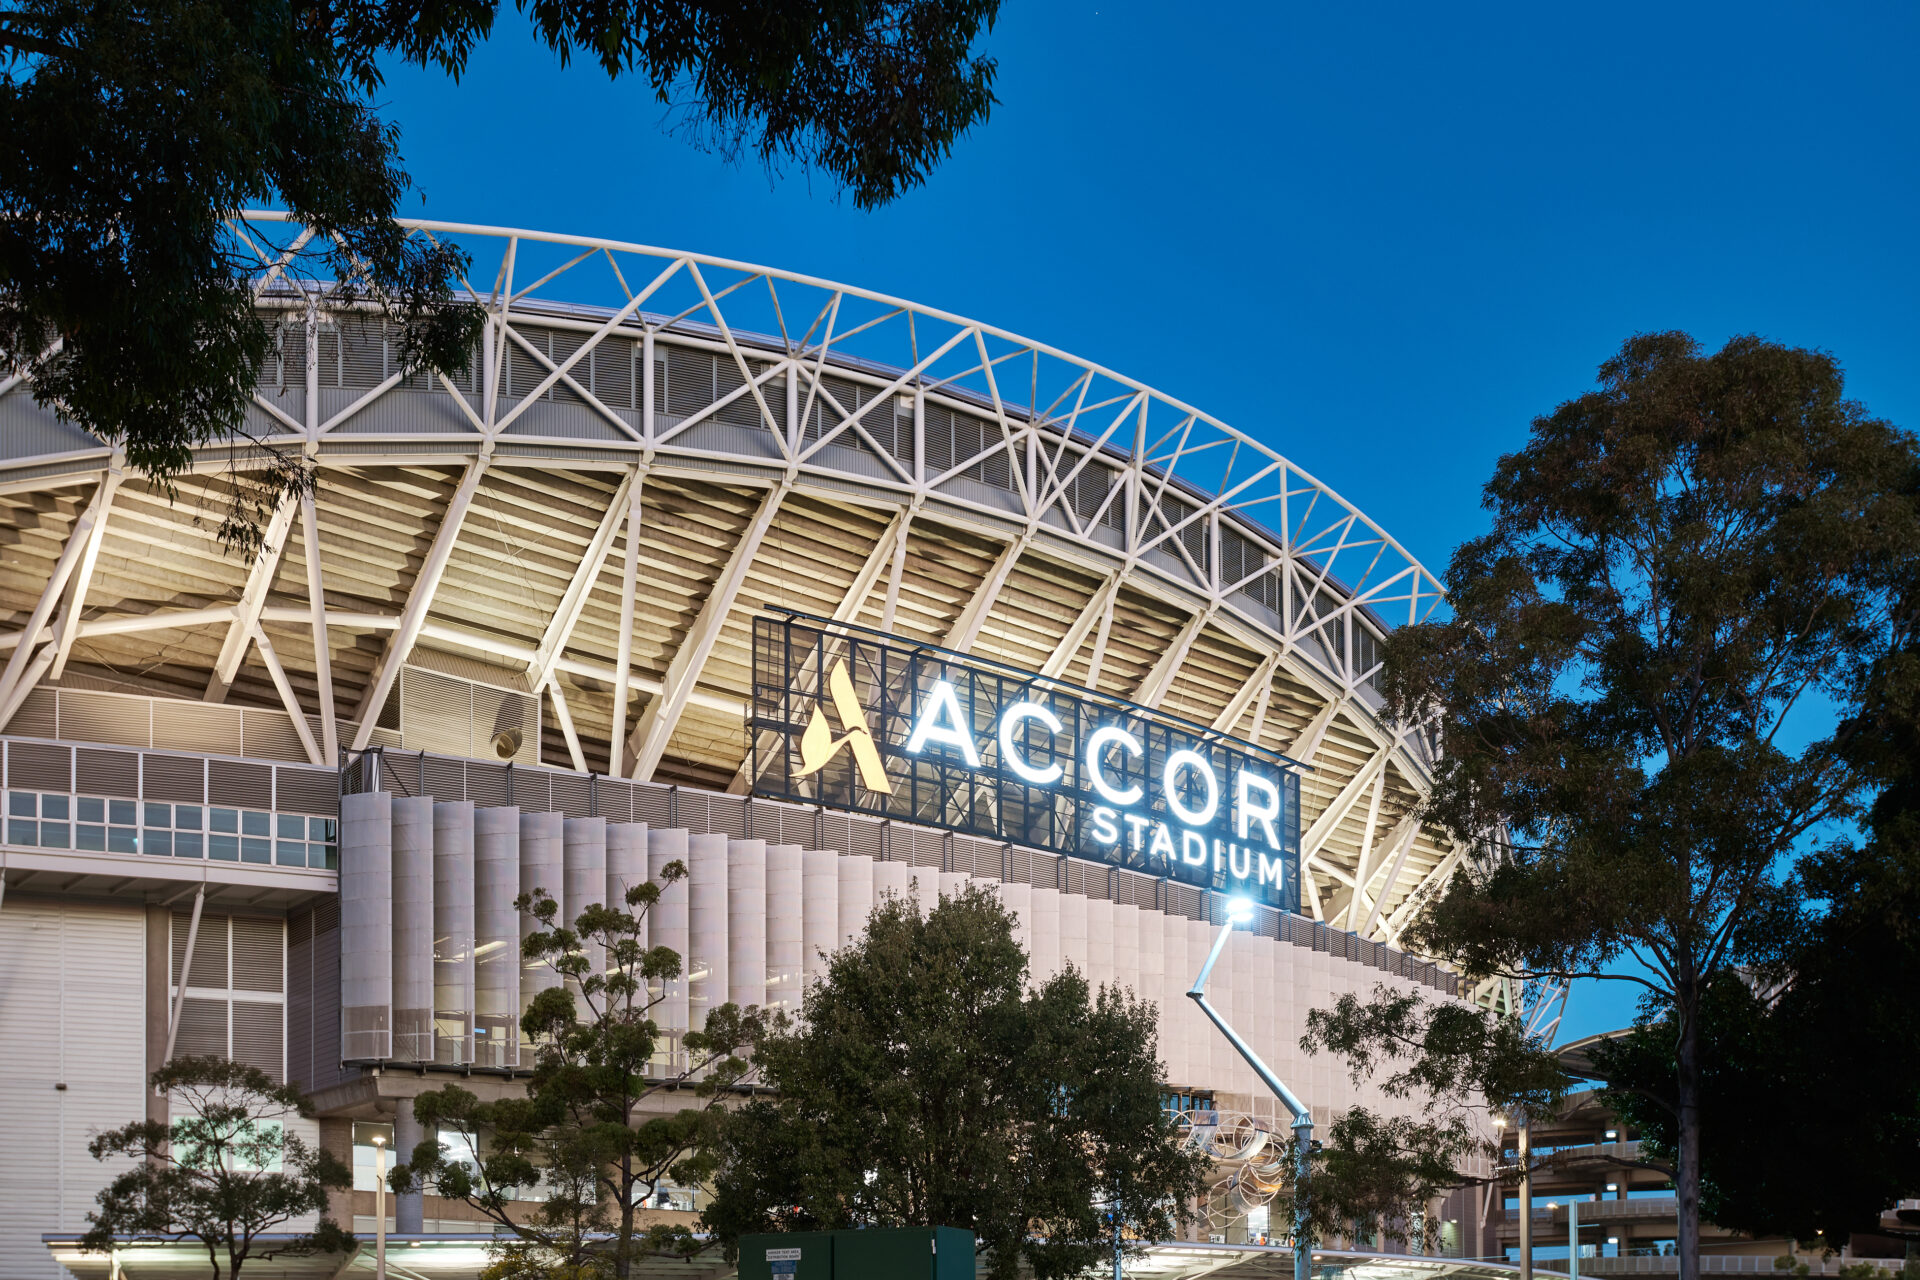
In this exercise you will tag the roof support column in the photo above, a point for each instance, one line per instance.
(253, 598)
(966, 628)
(77, 539)
(69, 628)
(629, 582)
(657, 723)
(322, 654)
(1083, 622)
(1153, 690)
(574, 602)
(419, 601)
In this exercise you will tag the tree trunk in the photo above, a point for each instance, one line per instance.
(1687, 1176)
(623, 1247)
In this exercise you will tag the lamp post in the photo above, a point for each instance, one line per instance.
(1240, 911)
(379, 1207)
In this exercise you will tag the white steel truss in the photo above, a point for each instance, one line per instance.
(805, 387)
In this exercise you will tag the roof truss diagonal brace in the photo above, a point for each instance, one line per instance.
(966, 628)
(1397, 845)
(1306, 745)
(284, 687)
(1153, 690)
(14, 680)
(662, 716)
(69, 628)
(1331, 817)
(317, 604)
(1258, 688)
(623, 654)
(419, 602)
(1084, 621)
(574, 602)
(253, 598)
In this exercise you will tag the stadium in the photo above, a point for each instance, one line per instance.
(827, 593)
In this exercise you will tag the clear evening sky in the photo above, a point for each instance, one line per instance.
(1380, 238)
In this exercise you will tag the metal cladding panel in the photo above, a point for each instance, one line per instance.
(1100, 957)
(819, 910)
(453, 930)
(585, 855)
(413, 929)
(626, 864)
(706, 926)
(1044, 934)
(953, 883)
(747, 922)
(1073, 931)
(786, 928)
(496, 935)
(366, 926)
(73, 1015)
(1018, 899)
(893, 878)
(542, 866)
(856, 899)
(667, 927)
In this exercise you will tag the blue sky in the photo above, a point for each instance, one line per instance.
(1381, 238)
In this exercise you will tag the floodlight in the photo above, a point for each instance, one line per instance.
(1239, 910)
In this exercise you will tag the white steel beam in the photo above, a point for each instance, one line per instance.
(574, 601)
(565, 717)
(1397, 845)
(1306, 744)
(35, 668)
(77, 539)
(1083, 622)
(1331, 817)
(623, 657)
(899, 570)
(1258, 685)
(287, 698)
(1402, 916)
(322, 651)
(662, 716)
(83, 575)
(966, 628)
(253, 598)
(1153, 690)
(419, 601)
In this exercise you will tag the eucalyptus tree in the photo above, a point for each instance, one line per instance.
(1647, 682)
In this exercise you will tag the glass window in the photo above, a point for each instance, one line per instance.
(123, 813)
(364, 1176)
(290, 853)
(159, 843)
(20, 831)
(320, 829)
(186, 817)
(55, 807)
(159, 815)
(254, 823)
(256, 850)
(186, 844)
(54, 835)
(20, 804)
(225, 848)
(123, 840)
(92, 809)
(227, 820)
(90, 837)
(291, 826)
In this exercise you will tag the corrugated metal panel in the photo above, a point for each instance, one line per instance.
(300, 1037)
(37, 767)
(173, 778)
(270, 735)
(38, 716)
(209, 951)
(187, 726)
(245, 786)
(107, 773)
(307, 791)
(203, 1029)
(101, 717)
(73, 1013)
(259, 1036)
(258, 960)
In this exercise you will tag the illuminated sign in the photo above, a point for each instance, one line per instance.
(853, 719)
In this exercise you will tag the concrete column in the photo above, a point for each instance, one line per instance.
(891, 878)
(496, 934)
(1044, 959)
(786, 926)
(413, 929)
(1073, 931)
(408, 1133)
(855, 873)
(668, 928)
(819, 910)
(951, 884)
(1018, 900)
(1099, 967)
(366, 927)
(706, 927)
(542, 866)
(747, 922)
(584, 853)
(453, 907)
(626, 864)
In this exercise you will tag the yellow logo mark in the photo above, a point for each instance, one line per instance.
(818, 745)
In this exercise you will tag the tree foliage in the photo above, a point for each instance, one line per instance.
(927, 1086)
(1822, 1040)
(1681, 562)
(1376, 1175)
(137, 131)
(224, 1172)
(597, 1130)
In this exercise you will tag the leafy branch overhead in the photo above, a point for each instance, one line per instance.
(137, 132)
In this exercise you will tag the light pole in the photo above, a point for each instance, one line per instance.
(379, 1207)
(1240, 911)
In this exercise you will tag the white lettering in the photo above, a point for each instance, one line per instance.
(1239, 861)
(1096, 747)
(1135, 825)
(943, 704)
(1162, 846)
(1104, 829)
(1193, 848)
(1016, 715)
(1273, 871)
(1246, 812)
(1176, 761)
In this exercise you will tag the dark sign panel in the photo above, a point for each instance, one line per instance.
(857, 720)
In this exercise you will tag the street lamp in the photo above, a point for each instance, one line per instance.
(1240, 911)
(379, 1206)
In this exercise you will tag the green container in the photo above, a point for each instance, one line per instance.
(881, 1253)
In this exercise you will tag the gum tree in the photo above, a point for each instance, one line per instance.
(1645, 683)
